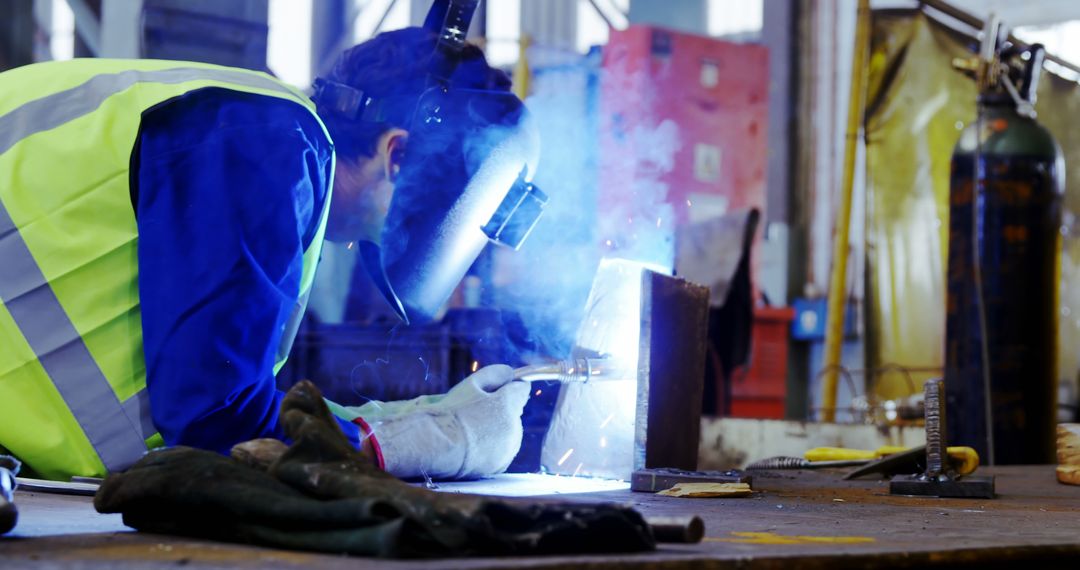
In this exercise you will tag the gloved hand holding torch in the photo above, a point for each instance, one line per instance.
(474, 430)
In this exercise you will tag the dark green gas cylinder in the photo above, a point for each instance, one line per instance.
(1016, 228)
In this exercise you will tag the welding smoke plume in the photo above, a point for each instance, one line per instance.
(548, 280)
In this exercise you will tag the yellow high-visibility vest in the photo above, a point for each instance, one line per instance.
(73, 397)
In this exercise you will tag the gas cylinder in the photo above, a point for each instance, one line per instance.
(1010, 170)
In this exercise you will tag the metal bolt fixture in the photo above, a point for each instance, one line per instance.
(938, 481)
(936, 449)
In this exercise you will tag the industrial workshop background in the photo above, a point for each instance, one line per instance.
(797, 92)
(801, 283)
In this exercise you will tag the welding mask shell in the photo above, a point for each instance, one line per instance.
(464, 181)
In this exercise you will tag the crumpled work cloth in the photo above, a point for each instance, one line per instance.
(321, 494)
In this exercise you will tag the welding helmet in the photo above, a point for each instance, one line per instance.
(465, 178)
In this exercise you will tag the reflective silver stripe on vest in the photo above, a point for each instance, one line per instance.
(54, 110)
(292, 326)
(63, 354)
(137, 408)
(116, 430)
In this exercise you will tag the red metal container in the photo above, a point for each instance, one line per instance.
(759, 390)
(685, 116)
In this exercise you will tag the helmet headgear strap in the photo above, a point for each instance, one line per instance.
(450, 19)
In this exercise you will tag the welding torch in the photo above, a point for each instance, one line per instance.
(575, 370)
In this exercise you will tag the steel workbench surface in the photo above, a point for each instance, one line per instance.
(809, 518)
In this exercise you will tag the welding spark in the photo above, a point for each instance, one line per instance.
(608, 243)
(365, 368)
(603, 441)
(475, 365)
(658, 222)
(565, 456)
(538, 392)
(607, 421)
(688, 202)
(427, 369)
(349, 245)
(577, 470)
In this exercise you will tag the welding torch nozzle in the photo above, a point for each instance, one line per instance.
(574, 370)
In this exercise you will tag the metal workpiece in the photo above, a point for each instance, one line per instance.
(9, 515)
(671, 372)
(657, 325)
(85, 486)
(652, 480)
(943, 486)
(939, 480)
(576, 370)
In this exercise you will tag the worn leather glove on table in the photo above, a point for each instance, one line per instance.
(472, 431)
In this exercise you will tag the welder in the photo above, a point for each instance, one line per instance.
(160, 225)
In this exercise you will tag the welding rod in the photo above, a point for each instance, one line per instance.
(574, 370)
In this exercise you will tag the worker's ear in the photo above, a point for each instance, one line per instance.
(392, 150)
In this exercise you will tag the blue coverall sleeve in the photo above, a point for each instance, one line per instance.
(227, 187)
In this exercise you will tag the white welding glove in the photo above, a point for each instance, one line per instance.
(472, 431)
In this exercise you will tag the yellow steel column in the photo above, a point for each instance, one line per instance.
(522, 74)
(834, 324)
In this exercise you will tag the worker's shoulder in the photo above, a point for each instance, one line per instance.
(219, 109)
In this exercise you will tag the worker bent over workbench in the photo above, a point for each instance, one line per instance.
(160, 225)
